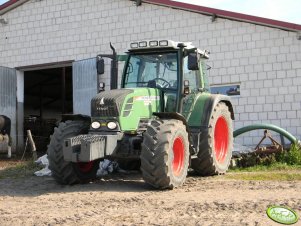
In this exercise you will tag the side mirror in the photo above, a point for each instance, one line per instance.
(100, 66)
(193, 61)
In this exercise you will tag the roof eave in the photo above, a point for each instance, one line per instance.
(7, 6)
(227, 14)
(4, 8)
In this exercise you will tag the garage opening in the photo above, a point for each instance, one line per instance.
(47, 95)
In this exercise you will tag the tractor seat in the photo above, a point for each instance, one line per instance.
(170, 102)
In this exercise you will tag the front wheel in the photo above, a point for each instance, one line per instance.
(165, 154)
(67, 172)
(216, 144)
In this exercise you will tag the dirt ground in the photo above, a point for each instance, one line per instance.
(124, 199)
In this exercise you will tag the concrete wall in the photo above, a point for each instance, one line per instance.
(265, 61)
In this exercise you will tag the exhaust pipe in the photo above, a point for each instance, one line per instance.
(114, 67)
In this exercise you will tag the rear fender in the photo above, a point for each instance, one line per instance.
(211, 102)
(202, 111)
(206, 105)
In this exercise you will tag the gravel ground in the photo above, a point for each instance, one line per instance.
(124, 199)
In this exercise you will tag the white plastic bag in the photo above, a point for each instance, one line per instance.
(105, 167)
(43, 172)
(43, 160)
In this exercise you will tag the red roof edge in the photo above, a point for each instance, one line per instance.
(7, 4)
(208, 11)
(227, 14)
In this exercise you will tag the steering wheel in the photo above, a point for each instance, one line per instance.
(164, 83)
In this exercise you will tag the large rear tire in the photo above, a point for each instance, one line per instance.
(67, 172)
(165, 154)
(216, 144)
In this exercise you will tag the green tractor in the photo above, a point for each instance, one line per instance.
(163, 120)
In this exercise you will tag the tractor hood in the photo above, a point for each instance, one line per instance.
(126, 105)
(109, 103)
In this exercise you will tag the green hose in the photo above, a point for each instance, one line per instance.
(277, 129)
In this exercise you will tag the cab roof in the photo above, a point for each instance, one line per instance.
(153, 45)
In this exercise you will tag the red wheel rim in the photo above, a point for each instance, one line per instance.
(221, 139)
(178, 156)
(85, 167)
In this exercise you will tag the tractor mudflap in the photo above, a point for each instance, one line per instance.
(86, 148)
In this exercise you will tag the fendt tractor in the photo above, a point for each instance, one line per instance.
(163, 119)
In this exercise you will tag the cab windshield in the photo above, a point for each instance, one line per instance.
(152, 70)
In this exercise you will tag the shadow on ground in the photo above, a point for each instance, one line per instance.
(35, 186)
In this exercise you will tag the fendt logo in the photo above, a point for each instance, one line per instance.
(101, 102)
(282, 215)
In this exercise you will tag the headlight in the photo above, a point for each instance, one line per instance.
(95, 125)
(112, 125)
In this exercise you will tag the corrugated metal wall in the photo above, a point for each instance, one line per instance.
(84, 85)
(8, 98)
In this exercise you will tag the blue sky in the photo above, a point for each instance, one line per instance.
(285, 10)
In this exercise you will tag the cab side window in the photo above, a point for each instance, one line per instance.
(192, 76)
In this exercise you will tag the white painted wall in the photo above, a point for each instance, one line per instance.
(265, 61)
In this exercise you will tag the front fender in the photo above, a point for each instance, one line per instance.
(172, 115)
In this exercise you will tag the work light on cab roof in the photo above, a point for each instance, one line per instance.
(156, 44)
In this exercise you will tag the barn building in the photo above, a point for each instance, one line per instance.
(48, 49)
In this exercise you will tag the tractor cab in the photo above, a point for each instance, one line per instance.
(175, 68)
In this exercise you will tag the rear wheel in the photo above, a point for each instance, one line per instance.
(67, 172)
(216, 144)
(165, 154)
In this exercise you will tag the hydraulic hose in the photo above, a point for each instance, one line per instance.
(277, 129)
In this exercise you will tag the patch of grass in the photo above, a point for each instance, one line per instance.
(288, 159)
(291, 157)
(285, 166)
(294, 175)
(19, 170)
(278, 166)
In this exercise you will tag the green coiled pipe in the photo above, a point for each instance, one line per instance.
(277, 129)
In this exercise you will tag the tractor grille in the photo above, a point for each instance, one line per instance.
(108, 103)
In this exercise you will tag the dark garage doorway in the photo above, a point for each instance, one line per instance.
(47, 95)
